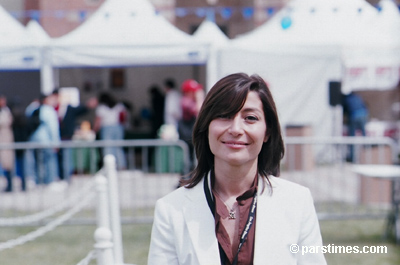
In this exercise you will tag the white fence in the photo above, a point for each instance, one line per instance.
(322, 165)
(108, 246)
(150, 158)
(48, 205)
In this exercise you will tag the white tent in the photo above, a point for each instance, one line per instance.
(386, 30)
(126, 32)
(375, 63)
(366, 38)
(315, 23)
(15, 50)
(299, 82)
(36, 35)
(299, 51)
(298, 74)
(39, 41)
(210, 33)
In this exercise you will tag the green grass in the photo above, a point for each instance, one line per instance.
(359, 233)
(67, 245)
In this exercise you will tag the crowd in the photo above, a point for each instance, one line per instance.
(53, 118)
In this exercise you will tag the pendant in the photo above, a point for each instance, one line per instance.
(232, 215)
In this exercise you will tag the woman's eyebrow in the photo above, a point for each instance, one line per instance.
(249, 109)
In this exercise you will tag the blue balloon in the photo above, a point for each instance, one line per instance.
(226, 12)
(201, 12)
(270, 11)
(82, 15)
(286, 22)
(248, 12)
(181, 12)
(34, 14)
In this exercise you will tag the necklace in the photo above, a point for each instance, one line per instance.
(232, 212)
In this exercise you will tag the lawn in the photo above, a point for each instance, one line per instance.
(67, 245)
(359, 233)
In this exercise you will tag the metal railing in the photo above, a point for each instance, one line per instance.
(154, 168)
(108, 248)
(325, 166)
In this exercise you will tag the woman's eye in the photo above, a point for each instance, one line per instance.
(252, 118)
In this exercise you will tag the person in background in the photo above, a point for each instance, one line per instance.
(191, 101)
(356, 113)
(157, 110)
(6, 137)
(45, 170)
(109, 124)
(235, 209)
(29, 155)
(129, 119)
(172, 107)
(67, 116)
(20, 135)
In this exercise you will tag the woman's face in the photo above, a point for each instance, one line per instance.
(238, 140)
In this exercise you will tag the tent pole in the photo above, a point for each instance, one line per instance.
(46, 73)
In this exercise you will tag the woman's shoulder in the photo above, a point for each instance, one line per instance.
(182, 194)
(280, 184)
(288, 194)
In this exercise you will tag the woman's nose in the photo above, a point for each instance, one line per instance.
(236, 126)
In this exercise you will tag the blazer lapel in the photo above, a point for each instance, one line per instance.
(201, 227)
(265, 224)
(274, 232)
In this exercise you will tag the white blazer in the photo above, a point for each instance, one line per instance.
(184, 229)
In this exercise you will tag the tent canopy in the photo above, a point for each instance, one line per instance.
(367, 41)
(384, 31)
(36, 35)
(210, 33)
(126, 32)
(314, 23)
(306, 45)
(12, 33)
(15, 49)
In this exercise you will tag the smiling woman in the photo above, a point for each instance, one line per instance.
(238, 140)
(234, 209)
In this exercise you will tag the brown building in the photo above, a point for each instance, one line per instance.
(60, 17)
(234, 17)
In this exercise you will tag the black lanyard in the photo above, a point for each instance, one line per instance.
(250, 220)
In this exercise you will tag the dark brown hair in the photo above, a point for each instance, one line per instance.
(227, 98)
